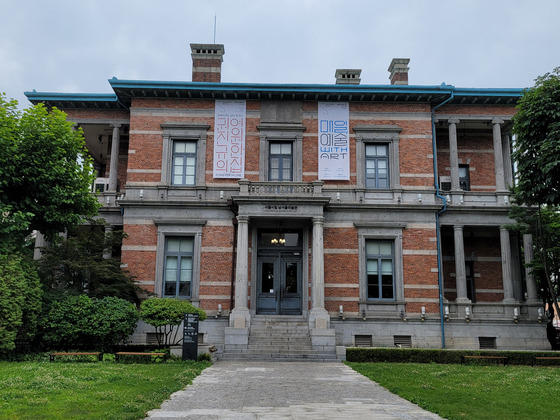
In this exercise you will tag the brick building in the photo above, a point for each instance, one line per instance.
(330, 215)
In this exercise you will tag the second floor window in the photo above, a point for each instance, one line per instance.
(464, 181)
(377, 166)
(184, 163)
(280, 166)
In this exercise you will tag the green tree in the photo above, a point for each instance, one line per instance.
(165, 315)
(76, 265)
(536, 126)
(20, 300)
(45, 173)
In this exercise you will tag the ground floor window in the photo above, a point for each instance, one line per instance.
(380, 269)
(178, 266)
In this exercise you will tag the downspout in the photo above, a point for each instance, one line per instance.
(438, 213)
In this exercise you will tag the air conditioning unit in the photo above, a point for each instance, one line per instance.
(445, 183)
(100, 185)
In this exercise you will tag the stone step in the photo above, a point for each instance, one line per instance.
(280, 357)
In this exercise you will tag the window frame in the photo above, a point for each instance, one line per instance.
(168, 228)
(376, 158)
(378, 134)
(465, 179)
(180, 257)
(282, 133)
(281, 157)
(380, 258)
(173, 132)
(184, 156)
(381, 232)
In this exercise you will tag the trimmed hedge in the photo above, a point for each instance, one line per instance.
(386, 355)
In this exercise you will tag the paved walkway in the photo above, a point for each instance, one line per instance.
(285, 390)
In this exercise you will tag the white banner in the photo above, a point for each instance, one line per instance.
(229, 139)
(334, 141)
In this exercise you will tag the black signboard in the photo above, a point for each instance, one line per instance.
(190, 337)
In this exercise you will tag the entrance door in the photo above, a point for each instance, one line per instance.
(279, 283)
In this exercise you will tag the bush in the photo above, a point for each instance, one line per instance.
(20, 301)
(165, 315)
(82, 322)
(387, 355)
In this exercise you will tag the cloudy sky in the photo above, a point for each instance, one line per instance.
(76, 45)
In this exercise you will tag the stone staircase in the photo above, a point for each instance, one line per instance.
(279, 338)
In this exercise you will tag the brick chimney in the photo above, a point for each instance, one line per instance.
(399, 71)
(207, 62)
(348, 76)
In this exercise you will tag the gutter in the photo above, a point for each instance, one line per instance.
(438, 213)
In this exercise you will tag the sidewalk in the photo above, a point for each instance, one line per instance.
(285, 390)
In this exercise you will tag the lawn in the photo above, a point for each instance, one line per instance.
(89, 390)
(472, 392)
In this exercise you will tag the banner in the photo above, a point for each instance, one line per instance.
(229, 139)
(334, 141)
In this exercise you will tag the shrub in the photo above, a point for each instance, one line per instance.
(20, 301)
(82, 322)
(165, 315)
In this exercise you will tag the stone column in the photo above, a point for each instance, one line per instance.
(460, 272)
(108, 250)
(532, 296)
(318, 317)
(498, 156)
(240, 316)
(506, 266)
(40, 243)
(453, 155)
(114, 165)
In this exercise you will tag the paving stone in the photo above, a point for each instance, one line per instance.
(285, 390)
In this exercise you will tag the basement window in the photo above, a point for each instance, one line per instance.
(402, 341)
(487, 343)
(363, 340)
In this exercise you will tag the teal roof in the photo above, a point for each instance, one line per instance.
(126, 90)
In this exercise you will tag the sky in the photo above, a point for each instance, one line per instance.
(75, 46)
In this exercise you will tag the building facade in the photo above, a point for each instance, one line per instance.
(369, 215)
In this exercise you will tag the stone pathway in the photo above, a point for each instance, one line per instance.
(285, 390)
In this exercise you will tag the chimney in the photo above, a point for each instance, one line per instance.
(207, 62)
(399, 71)
(348, 76)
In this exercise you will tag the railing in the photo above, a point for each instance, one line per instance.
(280, 188)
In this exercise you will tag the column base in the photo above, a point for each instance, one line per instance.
(240, 318)
(319, 318)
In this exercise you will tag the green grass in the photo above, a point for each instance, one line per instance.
(472, 392)
(97, 390)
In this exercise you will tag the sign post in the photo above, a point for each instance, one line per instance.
(190, 337)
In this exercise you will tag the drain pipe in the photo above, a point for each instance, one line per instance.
(438, 213)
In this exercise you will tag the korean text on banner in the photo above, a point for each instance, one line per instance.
(334, 141)
(229, 139)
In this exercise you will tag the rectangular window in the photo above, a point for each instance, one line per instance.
(280, 167)
(184, 163)
(178, 270)
(377, 166)
(469, 271)
(464, 180)
(380, 270)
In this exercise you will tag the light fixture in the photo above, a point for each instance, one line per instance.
(363, 314)
(337, 196)
(274, 241)
(141, 193)
(506, 199)
(419, 197)
(448, 198)
(515, 315)
(446, 313)
(219, 313)
(540, 317)
(341, 312)
(403, 317)
(108, 200)
(221, 195)
(423, 313)
(467, 314)
(461, 200)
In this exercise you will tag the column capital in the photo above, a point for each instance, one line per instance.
(318, 220)
(497, 120)
(453, 121)
(242, 219)
(458, 227)
(115, 125)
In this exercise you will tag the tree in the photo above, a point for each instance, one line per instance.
(77, 265)
(20, 300)
(536, 126)
(165, 315)
(45, 173)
